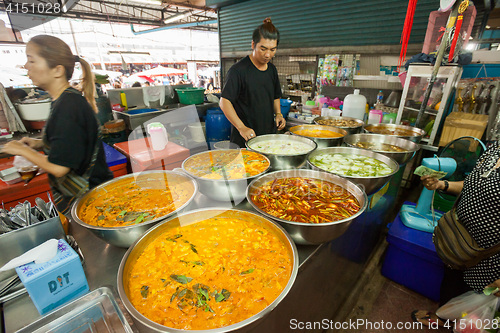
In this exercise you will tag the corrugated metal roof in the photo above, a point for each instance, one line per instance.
(322, 23)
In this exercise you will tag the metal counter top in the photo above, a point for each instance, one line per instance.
(102, 261)
(327, 272)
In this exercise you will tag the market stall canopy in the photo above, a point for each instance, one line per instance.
(136, 78)
(161, 71)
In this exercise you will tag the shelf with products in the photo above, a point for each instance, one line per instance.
(427, 111)
(415, 85)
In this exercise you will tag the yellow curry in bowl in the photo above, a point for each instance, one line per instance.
(318, 133)
(226, 164)
(134, 200)
(209, 274)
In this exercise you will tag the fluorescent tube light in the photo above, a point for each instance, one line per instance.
(148, 2)
(177, 17)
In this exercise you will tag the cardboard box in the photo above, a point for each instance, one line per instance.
(458, 124)
(143, 157)
(55, 282)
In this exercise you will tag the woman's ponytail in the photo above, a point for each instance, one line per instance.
(88, 86)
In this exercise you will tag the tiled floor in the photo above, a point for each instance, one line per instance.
(394, 305)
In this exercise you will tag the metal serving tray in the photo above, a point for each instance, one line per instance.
(97, 311)
(16, 242)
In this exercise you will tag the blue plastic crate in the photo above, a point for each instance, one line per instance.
(411, 260)
(113, 156)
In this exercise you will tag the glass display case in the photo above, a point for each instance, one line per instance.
(415, 85)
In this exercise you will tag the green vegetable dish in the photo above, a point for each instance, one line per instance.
(351, 165)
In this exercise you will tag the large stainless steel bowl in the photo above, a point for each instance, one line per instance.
(410, 147)
(126, 236)
(309, 233)
(350, 130)
(223, 189)
(322, 141)
(414, 134)
(283, 162)
(369, 184)
(146, 325)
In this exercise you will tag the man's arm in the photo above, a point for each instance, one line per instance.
(228, 109)
(280, 120)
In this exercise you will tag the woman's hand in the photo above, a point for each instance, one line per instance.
(247, 133)
(431, 183)
(495, 284)
(15, 148)
(280, 121)
(32, 143)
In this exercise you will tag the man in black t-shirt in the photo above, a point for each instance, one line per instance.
(251, 94)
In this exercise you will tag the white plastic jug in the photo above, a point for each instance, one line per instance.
(158, 134)
(354, 105)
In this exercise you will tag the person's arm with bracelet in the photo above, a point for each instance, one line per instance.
(227, 107)
(280, 120)
(432, 184)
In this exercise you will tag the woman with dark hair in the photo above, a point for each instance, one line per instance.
(251, 95)
(71, 139)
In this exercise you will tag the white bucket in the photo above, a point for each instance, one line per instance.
(197, 132)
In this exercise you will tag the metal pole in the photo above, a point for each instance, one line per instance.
(439, 58)
(74, 39)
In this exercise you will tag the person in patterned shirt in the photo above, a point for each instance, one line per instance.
(479, 211)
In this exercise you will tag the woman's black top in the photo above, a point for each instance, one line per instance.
(70, 137)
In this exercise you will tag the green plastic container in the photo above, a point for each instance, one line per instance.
(191, 95)
(444, 202)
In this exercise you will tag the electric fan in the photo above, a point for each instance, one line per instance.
(457, 159)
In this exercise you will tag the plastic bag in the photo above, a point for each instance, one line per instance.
(21, 163)
(153, 96)
(472, 313)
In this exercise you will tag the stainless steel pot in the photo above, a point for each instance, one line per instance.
(369, 184)
(283, 162)
(309, 233)
(147, 325)
(223, 189)
(350, 130)
(322, 142)
(126, 236)
(410, 147)
(416, 133)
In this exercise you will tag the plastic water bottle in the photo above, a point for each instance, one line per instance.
(123, 100)
(354, 105)
(380, 99)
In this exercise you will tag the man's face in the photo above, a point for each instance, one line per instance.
(264, 50)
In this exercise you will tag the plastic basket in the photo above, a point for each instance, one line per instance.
(191, 95)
